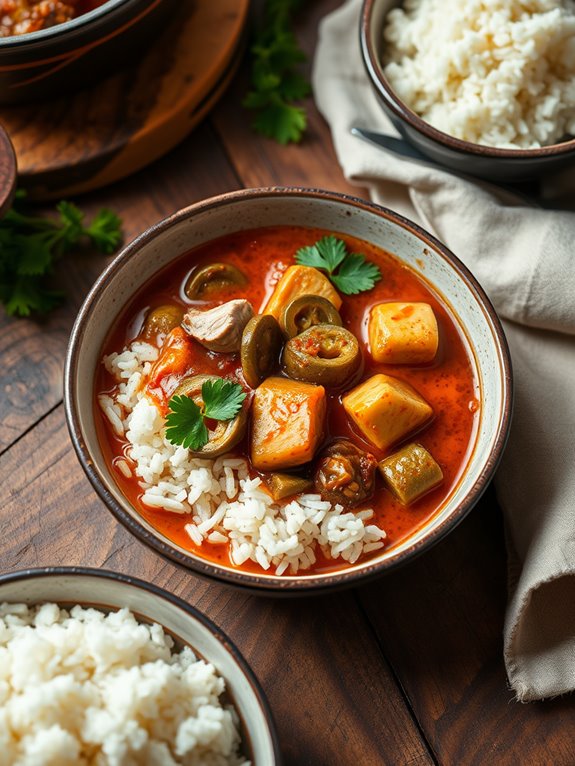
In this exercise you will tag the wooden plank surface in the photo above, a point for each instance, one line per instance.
(318, 659)
(407, 670)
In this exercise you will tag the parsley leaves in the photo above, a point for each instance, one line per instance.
(354, 274)
(29, 246)
(275, 79)
(185, 423)
(222, 400)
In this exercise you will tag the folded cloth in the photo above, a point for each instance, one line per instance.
(522, 256)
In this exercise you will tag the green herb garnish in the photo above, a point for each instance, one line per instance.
(275, 79)
(29, 246)
(222, 400)
(354, 274)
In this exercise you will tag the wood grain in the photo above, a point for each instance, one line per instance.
(33, 352)
(333, 696)
(408, 670)
(440, 623)
(262, 162)
(104, 133)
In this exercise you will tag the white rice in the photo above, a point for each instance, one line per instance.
(223, 503)
(84, 688)
(493, 72)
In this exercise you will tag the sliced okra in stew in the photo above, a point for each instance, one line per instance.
(225, 434)
(285, 485)
(324, 354)
(410, 473)
(208, 280)
(307, 311)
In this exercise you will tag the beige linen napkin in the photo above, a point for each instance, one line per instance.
(525, 260)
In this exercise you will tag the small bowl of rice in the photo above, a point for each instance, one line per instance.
(100, 668)
(483, 88)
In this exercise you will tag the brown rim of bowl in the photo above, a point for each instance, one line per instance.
(8, 171)
(399, 108)
(305, 584)
(41, 35)
(218, 633)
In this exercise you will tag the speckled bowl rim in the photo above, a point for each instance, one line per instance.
(14, 42)
(404, 113)
(284, 586)
(162, 594)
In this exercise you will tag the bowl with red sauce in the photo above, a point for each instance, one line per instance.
(288, 390)
(51, 47)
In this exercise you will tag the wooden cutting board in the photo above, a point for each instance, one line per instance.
(101, 134)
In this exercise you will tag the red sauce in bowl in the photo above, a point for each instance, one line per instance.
(449, 383)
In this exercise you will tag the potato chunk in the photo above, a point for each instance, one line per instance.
(296, 281)
(386, 409)
(410, 473)
(403, 333)
(287, 423)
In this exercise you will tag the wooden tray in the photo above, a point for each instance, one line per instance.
(101, 134)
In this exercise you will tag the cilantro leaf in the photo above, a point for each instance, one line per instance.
(326, 254)
(185, 423)
(30, 244)
(222, 399)
(275, 80)
(105, 231)
(281, 121)
(351, 273)
(356, 275)
(24, 297)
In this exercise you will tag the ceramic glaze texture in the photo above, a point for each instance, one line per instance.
(257, 208)
(505, 165)
(108, 590)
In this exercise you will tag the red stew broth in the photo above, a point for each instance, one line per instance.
(449, 383)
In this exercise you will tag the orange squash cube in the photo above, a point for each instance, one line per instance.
(403, 333)
(385, 409)
(300, 280)
(287, 423)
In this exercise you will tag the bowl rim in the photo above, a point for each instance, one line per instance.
(290, 585)
(161, 593)
(405, 114)
(14, 42)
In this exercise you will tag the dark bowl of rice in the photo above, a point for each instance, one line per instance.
(501, 113)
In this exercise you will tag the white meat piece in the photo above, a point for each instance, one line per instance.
(220, 328)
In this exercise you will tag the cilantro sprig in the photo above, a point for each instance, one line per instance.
(275, 78)
(351, 273)
(30, 245)
(185, 421)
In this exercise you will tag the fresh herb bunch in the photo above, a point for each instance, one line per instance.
(222, 400)
(29, 246)
(354, 274)
(275, 79)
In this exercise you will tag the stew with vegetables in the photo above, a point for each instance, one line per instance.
(287, 400)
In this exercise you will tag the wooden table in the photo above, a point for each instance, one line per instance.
(407, 670)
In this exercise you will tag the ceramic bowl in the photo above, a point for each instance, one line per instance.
(253, 208)
(62, 58)
(106, 590)
(8, 171)
(505, 165)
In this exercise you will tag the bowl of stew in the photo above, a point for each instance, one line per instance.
(51, 47)
(288, 389)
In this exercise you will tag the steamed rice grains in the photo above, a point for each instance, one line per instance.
(225, 505)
